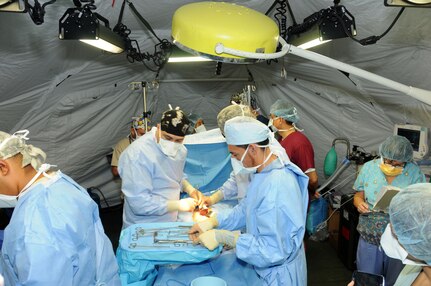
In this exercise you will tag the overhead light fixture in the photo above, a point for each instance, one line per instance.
(90, 28)
(198, 27)
(409, 3)
(12, 6)
(211, 32)
(180, 56)
(321, 27)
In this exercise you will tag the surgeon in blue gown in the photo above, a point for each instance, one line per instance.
(236, 186)
(55, 236)
(273, 210)
(152, 173)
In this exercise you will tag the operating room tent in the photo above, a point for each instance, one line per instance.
(77, 101)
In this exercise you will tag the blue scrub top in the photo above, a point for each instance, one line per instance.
(371, 179)
(55, 237)
(274, 214)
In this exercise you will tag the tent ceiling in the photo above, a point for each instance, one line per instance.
(76, 102)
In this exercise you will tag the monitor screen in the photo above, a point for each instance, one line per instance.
(412, 135)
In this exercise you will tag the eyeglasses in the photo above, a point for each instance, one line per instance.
(394, 163)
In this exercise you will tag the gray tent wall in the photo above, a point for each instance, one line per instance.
(76, 102)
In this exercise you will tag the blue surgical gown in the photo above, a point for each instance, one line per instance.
(235, 187)
(149, 180)
(55, 237)
(274, 214)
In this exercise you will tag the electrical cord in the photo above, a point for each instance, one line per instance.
(100, 192)
(340, 183)
(37, 11)
(281, 18)
(371, 39)
(162, 50)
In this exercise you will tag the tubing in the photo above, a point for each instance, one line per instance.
(344, 165)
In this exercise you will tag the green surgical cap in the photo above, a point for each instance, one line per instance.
(232, 111)
(397, 148)
(284, 109)
(11, 145)
(410, 215)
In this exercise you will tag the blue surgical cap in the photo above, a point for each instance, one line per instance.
(397, 148)
(284, 109)
(410, 216)
(243, 130)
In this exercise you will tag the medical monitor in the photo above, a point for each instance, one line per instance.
(418, 137)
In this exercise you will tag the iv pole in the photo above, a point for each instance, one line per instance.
(143, 85)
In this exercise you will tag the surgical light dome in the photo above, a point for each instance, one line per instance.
(199, 27)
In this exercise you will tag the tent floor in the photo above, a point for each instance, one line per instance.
(324, 267)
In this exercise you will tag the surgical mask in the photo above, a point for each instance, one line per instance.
(200, 128)
(8, 201)
(137, 135)
(393, 249)
(275, 129)
(271, 125)
(390, 170)
(239, 168)
(169, 148)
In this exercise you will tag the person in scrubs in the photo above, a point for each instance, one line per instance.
(236, 186)
(273, 211)
(55, 236)
(137, 129)
(151, 169)
(407, 237)
(395, 167)
(284, 117)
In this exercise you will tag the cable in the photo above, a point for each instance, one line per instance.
(344, 180)
(143, 20)
(280, 17)
(103, 196)
(371, 39)
(162, 50)
(37, 11)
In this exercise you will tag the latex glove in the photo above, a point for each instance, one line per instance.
(203, 226)
(184, 205)
(193, 192)
(198, 196)
(212, 238)
(213, 199)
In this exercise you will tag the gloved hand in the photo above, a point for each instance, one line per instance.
(213, 199)
(212, 238)
(203, 226)
(184, 205)
(198, 196)
(193, 192)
